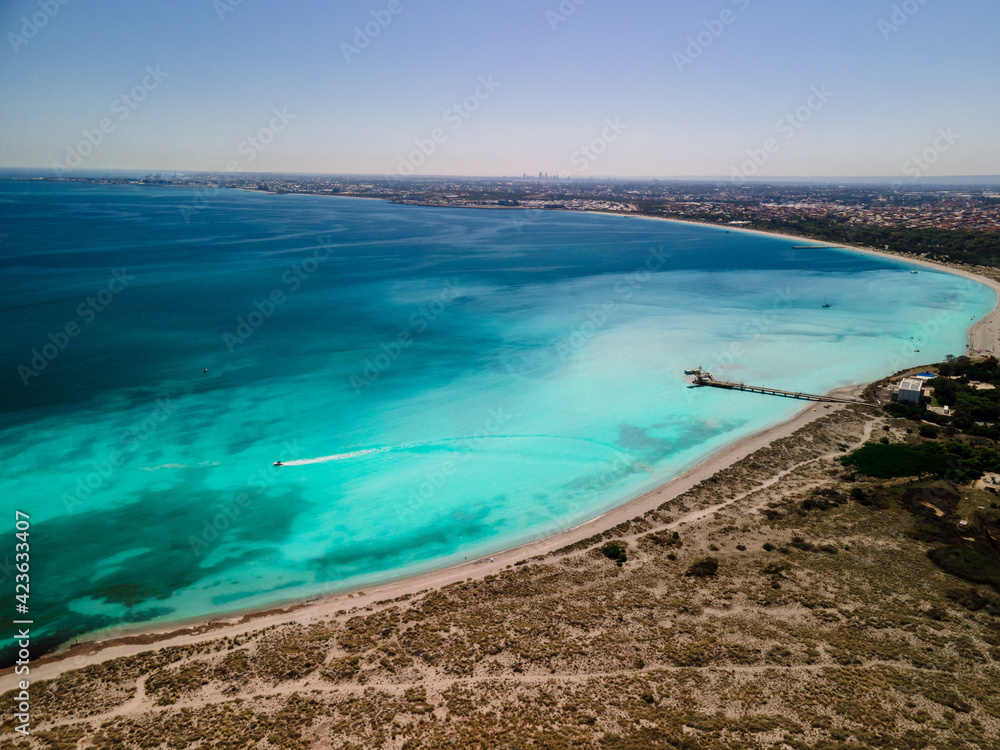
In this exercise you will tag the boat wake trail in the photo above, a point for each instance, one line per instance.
(340, 456)
(473, 444)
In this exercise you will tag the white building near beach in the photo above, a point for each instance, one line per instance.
(910, 391)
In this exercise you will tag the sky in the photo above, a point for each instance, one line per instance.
(579, 88)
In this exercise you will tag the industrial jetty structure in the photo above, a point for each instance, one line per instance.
(702, 377)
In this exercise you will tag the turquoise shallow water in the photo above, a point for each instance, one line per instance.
(470, 379)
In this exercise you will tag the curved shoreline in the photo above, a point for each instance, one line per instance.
(127, 640)
(133, 640)
(983, 334)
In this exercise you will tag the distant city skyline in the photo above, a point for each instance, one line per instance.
(736, 89)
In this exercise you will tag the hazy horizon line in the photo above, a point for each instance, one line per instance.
(873, 179)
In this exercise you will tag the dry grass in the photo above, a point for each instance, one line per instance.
(843, 635)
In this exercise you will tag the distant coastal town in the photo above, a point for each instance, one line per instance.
(957, 223)
(835, 576)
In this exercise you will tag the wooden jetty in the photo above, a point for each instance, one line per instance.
(702, 377)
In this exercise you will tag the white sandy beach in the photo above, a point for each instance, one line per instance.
(984, 336)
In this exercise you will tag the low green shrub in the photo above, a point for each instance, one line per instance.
(703, 568)
(615, 551)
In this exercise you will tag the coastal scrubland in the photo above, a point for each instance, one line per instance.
(790, 601)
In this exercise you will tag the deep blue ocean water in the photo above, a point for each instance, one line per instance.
(471, 380)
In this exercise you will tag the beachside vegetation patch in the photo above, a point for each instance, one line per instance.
(615, 551)
(955, 460)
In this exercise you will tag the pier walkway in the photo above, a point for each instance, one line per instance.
(705, 378)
